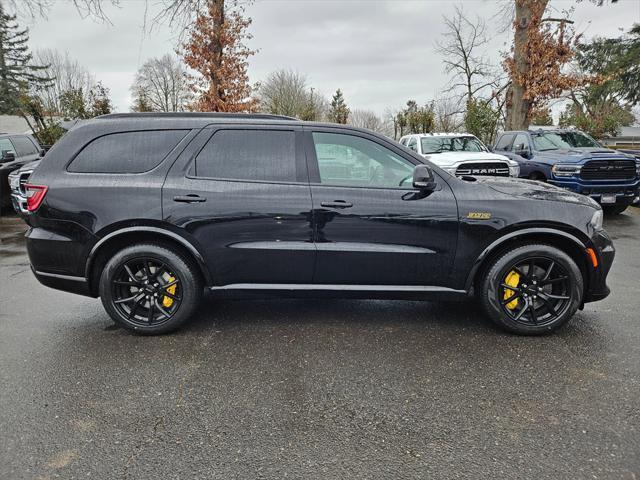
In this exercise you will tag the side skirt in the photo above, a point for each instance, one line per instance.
(292, 290)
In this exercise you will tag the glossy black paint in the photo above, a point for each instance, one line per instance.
(296, 234)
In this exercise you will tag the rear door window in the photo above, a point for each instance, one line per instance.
(253, 155)
(24, 146)
(126, 152)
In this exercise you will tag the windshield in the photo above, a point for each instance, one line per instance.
(549, 141)
(451, 144)
(578, 139)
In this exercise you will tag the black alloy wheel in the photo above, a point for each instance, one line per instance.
(532, 289)
(146, 291)
(150, 288)
(542, 295)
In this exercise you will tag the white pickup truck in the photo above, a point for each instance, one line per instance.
(461, 154)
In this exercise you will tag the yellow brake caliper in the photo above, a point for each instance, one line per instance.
(166, 301)
(513, 279)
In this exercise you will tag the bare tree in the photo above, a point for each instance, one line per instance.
(449, 114)
(66, 74)
(285, 92)
(39, 8)
(161, 82)
(364, 119)
(462, 55)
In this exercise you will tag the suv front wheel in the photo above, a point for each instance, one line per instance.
(532, 289)
(150, 289)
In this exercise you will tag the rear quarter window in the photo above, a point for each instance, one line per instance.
(126, 152)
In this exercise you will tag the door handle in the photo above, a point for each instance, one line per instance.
(190, 198)
(337, 204)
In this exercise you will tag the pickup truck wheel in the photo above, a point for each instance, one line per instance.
(150, 289)
(614, 209)
(532, 289)
(537, 176)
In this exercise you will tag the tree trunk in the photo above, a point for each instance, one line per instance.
(519, 108)
(217, 10)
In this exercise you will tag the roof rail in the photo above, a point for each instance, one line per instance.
(253, 116)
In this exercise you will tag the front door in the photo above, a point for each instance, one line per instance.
(370, 226)
(242, 194)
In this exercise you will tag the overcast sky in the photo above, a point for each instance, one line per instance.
(380, 53)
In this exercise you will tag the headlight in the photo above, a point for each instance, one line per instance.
(566, 170)
(14, 182)
(596, 220)
(514, 170)
(638, 169)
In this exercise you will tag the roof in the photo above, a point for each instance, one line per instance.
(204, 115)
(440, 134)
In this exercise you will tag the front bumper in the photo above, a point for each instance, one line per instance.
(625, 193)
(597, 288)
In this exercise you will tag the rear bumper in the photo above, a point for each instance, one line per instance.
(58, 259)
(625, 192)
(597, 286)
(66, 283)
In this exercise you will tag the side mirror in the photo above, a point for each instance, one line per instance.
(423, 178)
(8, 156)
(524, 153)
(490, 148)
(42, 152)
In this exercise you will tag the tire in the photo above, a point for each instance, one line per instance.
(537, 176)
(614, 209)
(136, 285)
(545, 291)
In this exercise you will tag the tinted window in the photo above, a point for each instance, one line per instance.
(5, 145)
(505, 142)
(24, 146)
(355, 161)
(128, 152)
(267, 155)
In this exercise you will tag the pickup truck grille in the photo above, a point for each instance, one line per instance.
(24, 179)
(609, 170)
(495, 169)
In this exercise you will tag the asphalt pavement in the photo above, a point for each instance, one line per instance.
(317, 389)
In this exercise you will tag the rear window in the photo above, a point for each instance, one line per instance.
(259, 155)
(127, 152)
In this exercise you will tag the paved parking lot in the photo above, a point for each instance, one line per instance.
(316, 388)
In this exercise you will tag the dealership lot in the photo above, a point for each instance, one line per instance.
(317, 388)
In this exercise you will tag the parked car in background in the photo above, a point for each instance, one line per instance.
(460, 154)
(572, 160)
(17, 181)
(147, 211)
(15, 151)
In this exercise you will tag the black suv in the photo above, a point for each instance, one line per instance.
(147, 211)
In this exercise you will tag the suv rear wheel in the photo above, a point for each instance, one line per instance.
(150, 289)
(532, 289)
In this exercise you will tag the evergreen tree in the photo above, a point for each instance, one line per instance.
(339, 112)
(17, 74)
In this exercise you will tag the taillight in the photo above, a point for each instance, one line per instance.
(35, 195)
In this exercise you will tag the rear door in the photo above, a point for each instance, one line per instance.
(370, 226)
(242, 194)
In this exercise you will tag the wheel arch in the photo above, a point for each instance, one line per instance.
(568, 243)
(118, 239)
